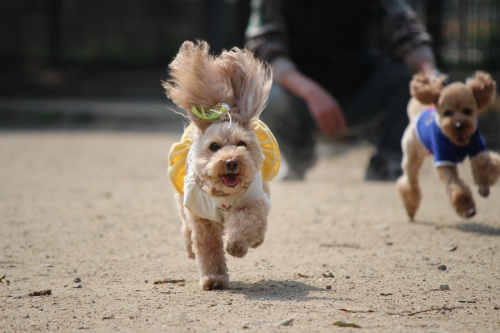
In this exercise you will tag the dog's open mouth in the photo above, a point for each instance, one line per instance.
(461, 138)
(230, 179)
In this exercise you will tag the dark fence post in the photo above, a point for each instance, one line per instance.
(54, 21)
(243, 14)
(435, 26)
(215, 24)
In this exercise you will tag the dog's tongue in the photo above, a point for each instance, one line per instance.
(230, 179)
(461, 137)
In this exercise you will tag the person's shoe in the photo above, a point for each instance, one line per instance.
(287, 173)
(293, 175)
(383, 169)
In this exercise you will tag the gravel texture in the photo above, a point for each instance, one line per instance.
(90, 217)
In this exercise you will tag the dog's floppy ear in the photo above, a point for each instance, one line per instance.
(198, 80)
(426, 88)
(483, 88)
(251, 81)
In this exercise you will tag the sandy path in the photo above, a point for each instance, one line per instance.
(98, 206)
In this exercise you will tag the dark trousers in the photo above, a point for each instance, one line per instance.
(380, 103)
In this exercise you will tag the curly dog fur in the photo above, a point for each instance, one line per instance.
(457, 107)
(226, 156)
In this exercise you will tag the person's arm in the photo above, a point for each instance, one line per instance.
(323, 107)
(266, 36)
(406, 38)
(266, 33)
(421, 59)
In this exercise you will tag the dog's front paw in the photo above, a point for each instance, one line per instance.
(257, 244)
(484, 190)
(470, 212)
(214, 282)
(237, 249)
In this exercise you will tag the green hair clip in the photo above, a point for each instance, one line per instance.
(216, 112)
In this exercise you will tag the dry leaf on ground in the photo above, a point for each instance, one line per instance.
(342, 323)
(356, 311)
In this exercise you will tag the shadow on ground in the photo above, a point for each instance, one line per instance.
(478, 228)
(278, 291)
(473, 227)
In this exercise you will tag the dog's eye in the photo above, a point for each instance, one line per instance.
(214, 147)
(447, 113)
(241, 144)
(467, 112)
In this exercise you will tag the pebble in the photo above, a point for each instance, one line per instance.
(388, 243)
(77, 280)
(77, 286)
(347, 277)
(442, 267)
(328, 287)
(444, 286)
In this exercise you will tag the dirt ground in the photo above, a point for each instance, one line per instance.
(91, 216)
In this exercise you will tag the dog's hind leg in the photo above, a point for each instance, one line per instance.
(209, 250)
(246, 226)
(185, 229)
(186, 232)
(458, 192)
(407, 185)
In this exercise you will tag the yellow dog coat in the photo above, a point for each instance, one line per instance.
(179, 151)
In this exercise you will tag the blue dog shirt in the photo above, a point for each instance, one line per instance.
(444, 151)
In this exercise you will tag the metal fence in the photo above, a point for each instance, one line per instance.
(127, 32)
(466, 32)
(76, 39)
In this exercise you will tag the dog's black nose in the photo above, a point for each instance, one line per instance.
(231, 164)
(459, 126)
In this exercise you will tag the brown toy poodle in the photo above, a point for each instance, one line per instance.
(222, 165)
(443, 122)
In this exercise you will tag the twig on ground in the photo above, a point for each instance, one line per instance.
(427, 310)
(41, 293)
(169, 281)
(353, 246)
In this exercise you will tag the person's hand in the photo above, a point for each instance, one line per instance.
(324, 108)
(326, 111)
(424, 67)
(421, 60)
